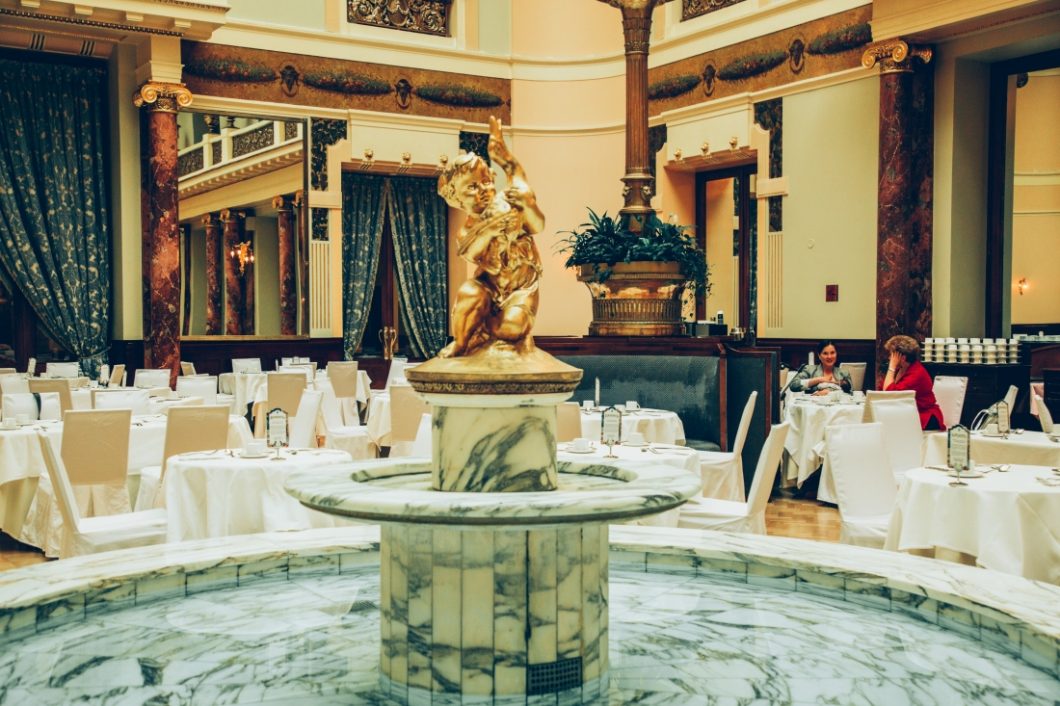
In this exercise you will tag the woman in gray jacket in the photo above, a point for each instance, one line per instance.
(824, 377)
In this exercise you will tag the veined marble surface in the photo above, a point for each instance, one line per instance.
(374, 490)
(675, 639)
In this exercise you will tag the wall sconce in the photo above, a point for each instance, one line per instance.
(242, 253)
(1022, 285)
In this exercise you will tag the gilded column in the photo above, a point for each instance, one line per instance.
(234, 303)
(214, 265)
(285, 223)
(636, 29)
(161, 234)
(904, 199)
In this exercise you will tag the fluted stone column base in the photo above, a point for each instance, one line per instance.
(493, 612)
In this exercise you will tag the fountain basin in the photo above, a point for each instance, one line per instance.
(697, 617)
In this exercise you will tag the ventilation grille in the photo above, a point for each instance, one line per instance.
(554, 676)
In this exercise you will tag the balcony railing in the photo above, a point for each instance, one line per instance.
(231, 145)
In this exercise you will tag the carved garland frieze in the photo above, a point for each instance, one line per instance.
(691, 9)
(424, 16)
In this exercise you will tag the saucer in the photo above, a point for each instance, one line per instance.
(591, 449)
(634, 446)
(244, 454)
(992, 436)
(966, 474)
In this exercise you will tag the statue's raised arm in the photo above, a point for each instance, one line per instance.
(518, 194)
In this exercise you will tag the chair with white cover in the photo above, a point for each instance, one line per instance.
(343, 376)
(396, 372)
(1010, 397)
(25, 403)
(949, 393)
(137, 401)
(1045, 417)
(406, 410)
(62, 370)
(60, 386)
(204, 386)
(13, 384)
(568, 422)
(857, 374)
(903, 438)
(151, 377)
(88, 535)
(732, 516)
(282, 391)
(190, 428)
(865, 487)
(873, 396)
(246, 365)
(8, 371)
(117, 375)
(304, 423)
(308, 370)
(187, 368)
(95, 453)
(722, 471)
(354, 439)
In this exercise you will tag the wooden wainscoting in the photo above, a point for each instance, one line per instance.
(214, 354)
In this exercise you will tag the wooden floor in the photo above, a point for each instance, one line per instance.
(785, 517)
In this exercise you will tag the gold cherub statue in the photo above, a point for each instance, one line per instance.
(496, 308)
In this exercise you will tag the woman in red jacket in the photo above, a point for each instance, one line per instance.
(904, 372)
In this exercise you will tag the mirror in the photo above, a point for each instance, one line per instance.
(244, 227)
(726, 228)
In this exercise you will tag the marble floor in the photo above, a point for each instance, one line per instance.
(675, 638)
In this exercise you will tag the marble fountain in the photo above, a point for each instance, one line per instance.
(495, 574)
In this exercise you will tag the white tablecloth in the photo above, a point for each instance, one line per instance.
(1031, 448)
(243, 387)
(40, 524)
(1009, 521)
(630, 457)
(658, 426)
(216, 495)
(805, 440)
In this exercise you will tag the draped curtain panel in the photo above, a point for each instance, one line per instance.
(54, 225)
(362, 233)
(419, 221)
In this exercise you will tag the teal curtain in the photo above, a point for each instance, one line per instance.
(419, 221)
(362, 232)
(54, 226)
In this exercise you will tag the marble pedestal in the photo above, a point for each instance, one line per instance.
(494, 611)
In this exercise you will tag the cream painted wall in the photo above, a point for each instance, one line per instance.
(574, 105)
(591, 28)
(495, 27)
(723, 290)
(1036, 202)
(303, 13)
(831, 162)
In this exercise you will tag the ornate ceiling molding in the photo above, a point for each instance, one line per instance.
(690, 9)
(422, 16)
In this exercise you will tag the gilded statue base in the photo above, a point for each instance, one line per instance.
(497, 369)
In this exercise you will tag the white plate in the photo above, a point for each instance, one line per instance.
(573, 451)
(244, 454)
(632, 445)
(992, 436)
(966, 474)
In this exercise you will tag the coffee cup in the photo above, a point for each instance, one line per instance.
(581, 444)
(632, 404)
(635, 438)
(587, 405)
(255, 447)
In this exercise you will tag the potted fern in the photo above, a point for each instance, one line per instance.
(637, 276)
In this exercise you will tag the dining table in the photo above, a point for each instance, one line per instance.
(809, 416)
(30, 512)
(230, 492)
(1004, 517)
(659, 426)
(1024, 447)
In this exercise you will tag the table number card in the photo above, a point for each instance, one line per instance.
(276, 427)
(1003, 423)
(958, 447)
(611, 426)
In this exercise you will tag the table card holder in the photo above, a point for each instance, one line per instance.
(104, 375)
(1003, 422)
(958, 447)
(276, 430)
(610, 430)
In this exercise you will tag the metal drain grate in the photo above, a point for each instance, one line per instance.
(554, 676)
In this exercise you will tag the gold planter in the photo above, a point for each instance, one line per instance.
(638, 299)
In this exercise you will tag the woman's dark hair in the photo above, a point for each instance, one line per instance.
(824, 344)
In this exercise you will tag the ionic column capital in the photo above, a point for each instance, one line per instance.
(162, 97)
(895, 56)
